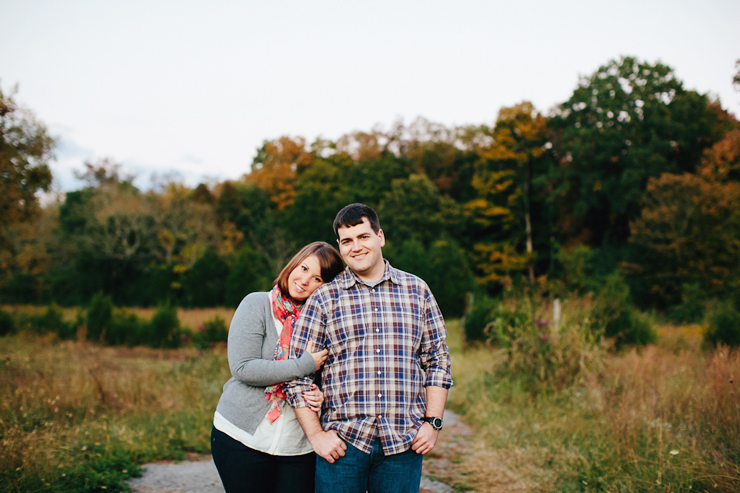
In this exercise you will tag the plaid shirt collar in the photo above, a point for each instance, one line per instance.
(349, 278)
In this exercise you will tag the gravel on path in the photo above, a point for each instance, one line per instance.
(201, 476)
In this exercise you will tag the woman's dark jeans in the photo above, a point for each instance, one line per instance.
(243, 469)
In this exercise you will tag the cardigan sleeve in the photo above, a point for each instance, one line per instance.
(247, 335)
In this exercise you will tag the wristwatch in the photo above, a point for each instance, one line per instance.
(434, 421)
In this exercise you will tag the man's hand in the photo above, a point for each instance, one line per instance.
(425, 439)
(328, 445)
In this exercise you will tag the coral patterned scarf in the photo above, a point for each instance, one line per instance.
(287, 313)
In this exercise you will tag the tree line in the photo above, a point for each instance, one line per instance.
(634, 175)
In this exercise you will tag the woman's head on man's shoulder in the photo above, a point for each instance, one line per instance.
(315, 264)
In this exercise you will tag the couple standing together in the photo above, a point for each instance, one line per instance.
(380, 337)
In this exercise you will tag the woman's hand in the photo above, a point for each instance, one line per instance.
(314, 398)
(319, 357)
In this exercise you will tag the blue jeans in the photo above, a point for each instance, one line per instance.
(358, 472)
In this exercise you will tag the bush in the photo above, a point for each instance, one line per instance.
(51, 321)
(7, 323)
(476, 318)
(125, 328)
(723, 322)
(540, 357)
(620, 320)
(99, 316)
(164, 329)
(693, 304)
(210, 333)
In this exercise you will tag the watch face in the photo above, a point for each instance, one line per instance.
(435, 422)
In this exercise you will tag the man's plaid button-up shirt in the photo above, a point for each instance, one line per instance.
(386, 344)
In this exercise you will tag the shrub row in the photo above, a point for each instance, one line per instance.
(106, 324)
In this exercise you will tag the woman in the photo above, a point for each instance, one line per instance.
(256, 441)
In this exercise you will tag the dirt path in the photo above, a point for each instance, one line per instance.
(200, 476)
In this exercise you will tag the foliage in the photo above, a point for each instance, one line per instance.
(477, 316)
(688, 232)
(443, 265)
(99, 317)
(211, 333)
(205, 283)
(276, 166)
(723, 325)
(7, 323)
(25, 151)
(626, 123)
(614, 311)
(692, 306)
(540, 356)
(126, 328)
(51, 321)
(246, 275)
(414, 209)
(164, 329)
(509, 180)
(556, 201)
(577, 275)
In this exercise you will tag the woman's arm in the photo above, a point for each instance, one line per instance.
(246, 339)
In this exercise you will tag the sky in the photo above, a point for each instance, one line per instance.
(190, 90)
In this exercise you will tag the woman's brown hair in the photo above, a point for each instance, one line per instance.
(329, 260)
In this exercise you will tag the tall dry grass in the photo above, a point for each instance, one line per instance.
(665, 418)
(77, 416)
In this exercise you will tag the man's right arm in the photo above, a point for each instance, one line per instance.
(327, 444)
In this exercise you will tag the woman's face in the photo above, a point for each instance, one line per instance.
(305, 279)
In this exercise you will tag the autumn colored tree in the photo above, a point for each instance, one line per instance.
(688, 232)
(721, 162)
(25, 152)
(276, 167)
(510, 176)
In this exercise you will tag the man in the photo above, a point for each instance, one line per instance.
(388, 372)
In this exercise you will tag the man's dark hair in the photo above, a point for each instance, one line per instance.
(352, 215)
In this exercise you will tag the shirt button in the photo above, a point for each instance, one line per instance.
(377, 330)
(377, 350)
(380, 373)
(380, 416)
(380, 396)
(376, 309)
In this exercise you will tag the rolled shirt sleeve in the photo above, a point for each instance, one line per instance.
(308, 334)
(434, 356)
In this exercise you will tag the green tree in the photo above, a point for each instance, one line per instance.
(414, 208)
(25, 152)
(626, 123)
(247, 275)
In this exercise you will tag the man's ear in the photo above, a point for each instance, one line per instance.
(381, 235)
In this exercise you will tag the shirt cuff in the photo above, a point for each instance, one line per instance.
(294, 392)
(438, 378)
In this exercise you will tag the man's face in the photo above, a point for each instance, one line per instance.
(361, 250)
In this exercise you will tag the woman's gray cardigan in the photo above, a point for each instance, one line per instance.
(251, 349)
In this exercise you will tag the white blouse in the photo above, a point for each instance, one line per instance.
(282, 437)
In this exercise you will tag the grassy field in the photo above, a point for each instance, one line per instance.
(665, 418)
(80, 417)
(77, 416)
